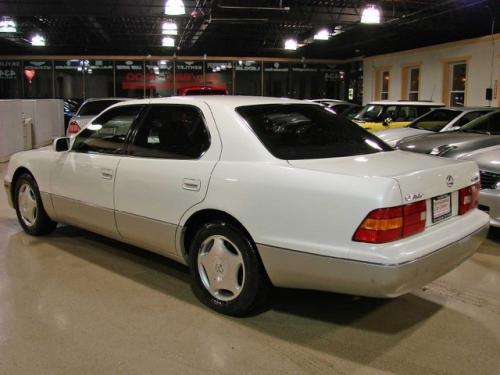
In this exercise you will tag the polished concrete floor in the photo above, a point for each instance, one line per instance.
(77, 303)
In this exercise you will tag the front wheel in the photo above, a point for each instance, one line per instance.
(227, 273)
(29, 207)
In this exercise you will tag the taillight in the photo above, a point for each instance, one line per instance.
(391, 224)
(468, 198)
(73, 127)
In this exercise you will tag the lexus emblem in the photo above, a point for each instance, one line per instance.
(449, 181)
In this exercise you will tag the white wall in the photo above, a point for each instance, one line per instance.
(479, 51)
(11, 128)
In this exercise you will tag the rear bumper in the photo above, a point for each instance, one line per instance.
(491, 199)
(6, 185)
(294, 269)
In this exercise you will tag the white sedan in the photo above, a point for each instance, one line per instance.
(252, 192)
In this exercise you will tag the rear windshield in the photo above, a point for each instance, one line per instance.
(304, 131)
(435, 120)
(95, 107)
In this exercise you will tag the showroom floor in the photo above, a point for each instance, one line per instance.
(77, 303)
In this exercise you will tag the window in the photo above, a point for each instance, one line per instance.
(468, 117)
(435, 120)
(384, 92)
(108, 132)
(489, 124)
(413, 83)
(303, 131)
(458, 79)
(172, 132)
(370, 113)
(94, 107)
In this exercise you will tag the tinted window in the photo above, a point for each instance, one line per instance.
(93, 108)
(339, 108)
(205, 92)
(108, 132)
(171, 131)
(468, 117)
(435, 120)
(370, 113)
(301, 131)
(488, 124)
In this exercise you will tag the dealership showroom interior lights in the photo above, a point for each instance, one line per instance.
(250, 187)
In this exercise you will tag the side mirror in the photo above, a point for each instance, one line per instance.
(61, 144)
(387, 121)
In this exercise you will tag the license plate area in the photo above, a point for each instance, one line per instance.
(441, 208)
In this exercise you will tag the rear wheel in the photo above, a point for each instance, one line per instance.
(227, 273)
(29, 207)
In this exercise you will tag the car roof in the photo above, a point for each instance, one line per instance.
(227, 100)
(405, 102)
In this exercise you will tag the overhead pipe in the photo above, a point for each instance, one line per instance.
(281, 8)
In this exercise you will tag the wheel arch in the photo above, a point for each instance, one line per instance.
(18, 173)
(201, 217)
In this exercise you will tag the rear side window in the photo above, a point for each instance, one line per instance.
(468, 117)
(489, 124)
(302, 131)
(93, 108)
(435, 120)
(171, 132)
(108, 132)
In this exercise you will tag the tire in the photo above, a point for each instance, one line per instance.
(230, 278)
(29, 207)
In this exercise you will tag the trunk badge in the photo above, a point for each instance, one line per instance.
(449, 181)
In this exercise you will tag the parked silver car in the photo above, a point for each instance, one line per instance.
(87, 111)
(488, 160)
(438, 120)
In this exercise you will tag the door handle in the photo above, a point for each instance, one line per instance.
(191, 184)
(107, 174)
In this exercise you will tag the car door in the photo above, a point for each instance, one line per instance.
(166, 172)
(82, 181)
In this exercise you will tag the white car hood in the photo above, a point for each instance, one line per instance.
(415, 173)
(392, 136)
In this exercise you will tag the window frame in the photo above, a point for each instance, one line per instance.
(382, 80)
(131, 129)
(450, 79)
(141, 122)
(410, 91)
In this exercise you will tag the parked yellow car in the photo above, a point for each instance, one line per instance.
(382, 115)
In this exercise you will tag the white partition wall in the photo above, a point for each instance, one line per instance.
(47, 123)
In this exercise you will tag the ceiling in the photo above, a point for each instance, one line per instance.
(242, 27)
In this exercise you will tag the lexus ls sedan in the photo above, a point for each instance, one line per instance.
(255, 192)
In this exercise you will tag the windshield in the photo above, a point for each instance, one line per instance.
(95, 107)
(435, 120)
(487, 124)
(302, 131)
(370, 113)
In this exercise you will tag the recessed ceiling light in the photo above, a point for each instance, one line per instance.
(168, 42)
(174, 7)
(370, 15)
(38, 40)
(169, 28)
(323, 34)
(291, 44)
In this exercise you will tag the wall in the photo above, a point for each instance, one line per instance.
(478, 53)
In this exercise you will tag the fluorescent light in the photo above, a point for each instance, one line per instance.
(7, 25)
(323, 34)
(37, 40)
(370, 15)
(169, 28)
(174, 7)
(168, 42)
(291, 44)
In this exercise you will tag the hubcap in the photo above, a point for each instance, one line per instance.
(26, 201)
(221, 268)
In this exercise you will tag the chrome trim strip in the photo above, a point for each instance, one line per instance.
(375, 263)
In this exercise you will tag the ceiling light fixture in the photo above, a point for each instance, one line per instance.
(169, 28)
(291, 44)
(174, 7)
(370, 15)
(7, 25)
(323, 34)
(168, 42)
(38, 40)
